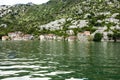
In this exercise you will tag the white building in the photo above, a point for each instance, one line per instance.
(71, 38)
(4, 38)
(83, 36)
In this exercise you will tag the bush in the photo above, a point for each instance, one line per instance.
(110, 36)
(98, 37)
(116, 36)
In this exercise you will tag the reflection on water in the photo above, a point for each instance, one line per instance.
(59, 60)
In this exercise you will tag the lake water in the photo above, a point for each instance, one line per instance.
(59, 60)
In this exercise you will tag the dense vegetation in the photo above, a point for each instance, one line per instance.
(98, 37)
(27, 18)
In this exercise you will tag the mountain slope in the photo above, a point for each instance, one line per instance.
(28, 18)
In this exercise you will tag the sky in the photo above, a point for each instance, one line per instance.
(12, 2)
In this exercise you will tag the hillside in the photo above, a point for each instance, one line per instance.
(29, 18)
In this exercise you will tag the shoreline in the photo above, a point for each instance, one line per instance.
(58, 40)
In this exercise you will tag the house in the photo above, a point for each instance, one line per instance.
(59, 37)
(83, 36)
(4, 38)
(50, 37)
(42, 37)
(16, 35)
(12, 34)
(19, 36)
(71, 38)
(27, 37)
(87, 33)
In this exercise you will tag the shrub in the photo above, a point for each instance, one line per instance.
(116, 36)
(98, 37)
(110, 36)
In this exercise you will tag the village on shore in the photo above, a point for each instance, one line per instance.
(18, 36)
(81, 36)
(77, 23)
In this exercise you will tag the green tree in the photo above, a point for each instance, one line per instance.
(116, 36)
(98, 37)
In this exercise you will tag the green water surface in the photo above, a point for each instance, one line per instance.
(59, 60)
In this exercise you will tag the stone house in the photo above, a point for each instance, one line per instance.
(11, 35)
(71, 38)
(48, 37)
(19, 36)
(59, 37)
(42, 37)
(4, 38)
(27, 37)
(83, 36)
(16, 35)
